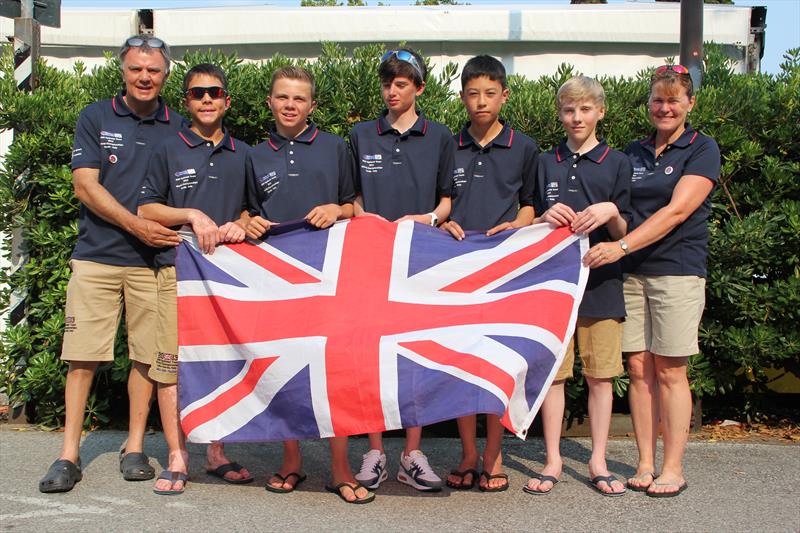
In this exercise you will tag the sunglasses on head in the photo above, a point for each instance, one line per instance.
(197, 93)
(152, 42)
(404, 55)
(678, 69)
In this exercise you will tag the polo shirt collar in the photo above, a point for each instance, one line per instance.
(276, 140)
(687, 137)
(121, 108)
(420, 127)
(596, 154)
(504, 139)
(193, 140)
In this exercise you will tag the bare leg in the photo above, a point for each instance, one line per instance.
(675, 401)
(643, 398)
(292, 462)
(173, 434)
(340, 469)
(601, 396)
(493, 454)
(79, 382)
(413, 439)
(552, 418)
(376, 441)
(467, 429)
(140, 395)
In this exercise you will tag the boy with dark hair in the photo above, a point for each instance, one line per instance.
(301, 172)
(404, 172)
(492, 191)
(584, 184)
(195, 178)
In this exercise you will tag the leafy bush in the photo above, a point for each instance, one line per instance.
(753, 289)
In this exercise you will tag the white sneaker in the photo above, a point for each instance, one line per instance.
(415, 471)
(373, 469)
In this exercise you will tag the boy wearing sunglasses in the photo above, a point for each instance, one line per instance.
(112, 264)
(195, 178)
(584, 184)
(301, 173)
(404, 168)
(492, 191)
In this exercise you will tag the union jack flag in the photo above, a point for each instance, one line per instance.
(369, 326)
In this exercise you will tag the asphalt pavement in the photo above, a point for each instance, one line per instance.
(733, 487)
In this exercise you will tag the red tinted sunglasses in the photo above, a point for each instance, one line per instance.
(197, 93)
(678, 69)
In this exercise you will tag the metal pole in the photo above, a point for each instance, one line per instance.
(692, 39)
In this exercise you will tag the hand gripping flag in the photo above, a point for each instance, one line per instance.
(371, 325)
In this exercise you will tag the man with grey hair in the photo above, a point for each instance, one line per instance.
(113, 261)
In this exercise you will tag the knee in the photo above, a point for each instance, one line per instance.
(638, 369)
(671, 374)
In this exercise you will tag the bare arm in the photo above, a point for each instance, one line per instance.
(524, 218)
(442, 211)
(689, 193)
(96, 198)
(206, 230)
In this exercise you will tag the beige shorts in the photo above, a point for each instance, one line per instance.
(600, 347)
(165, 366)
(96, 294)
(663, 314)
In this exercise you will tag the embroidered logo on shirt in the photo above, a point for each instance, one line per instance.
(371, 163)
(77, 152)
(110, 140)
(268, 182)
(185, 179)
(551, 191)
(112, 158)
(638, 173)
(459, 177)
(668, 170)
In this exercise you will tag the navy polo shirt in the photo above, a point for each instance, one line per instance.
(491, 183)
(187, 171)
(684, 250)
(287, 178)
(581, 180)
(405, 173)
(110, 138)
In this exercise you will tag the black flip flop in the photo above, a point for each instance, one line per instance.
(681, 488)
(462, 475)
(608, 479)
(281, 490)
(221, 470)
(486, 475)
(337, 490)
(135, 466)
(172, 477)
(542, 478)
(641, 488)
(61, 476)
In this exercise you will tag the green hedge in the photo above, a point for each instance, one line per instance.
(753, 306)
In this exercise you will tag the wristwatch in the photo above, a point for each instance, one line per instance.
(624, 246)
(434, 219)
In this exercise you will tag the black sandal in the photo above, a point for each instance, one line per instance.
(221, 470)
(61, 476)
(463, 486)
(282, 490)
(488, 477)
(542, 478)
(337, 490)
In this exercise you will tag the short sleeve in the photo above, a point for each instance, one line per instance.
(447, 163)
(704, 161)
(155, 188)
(86, 146)
(353, 144)
(252, 192)
(529, 167)
(621, 195)
(346, 191)
(539, 205)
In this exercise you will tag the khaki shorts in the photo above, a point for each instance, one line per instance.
(165, 366)
(95, 296)
(600, 343)
(663, 314)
